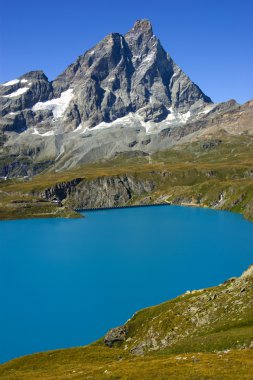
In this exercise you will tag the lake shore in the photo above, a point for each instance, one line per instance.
(219, 348)
(106, 261)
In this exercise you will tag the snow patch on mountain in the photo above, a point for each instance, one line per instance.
(19, 92)
(58, 105)
(11, 82)
(124, 121)
(135, 120)
(36, 132)
(79, 128)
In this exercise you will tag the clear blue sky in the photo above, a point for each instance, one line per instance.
(210, 40)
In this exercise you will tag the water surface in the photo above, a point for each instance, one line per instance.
(64, 282)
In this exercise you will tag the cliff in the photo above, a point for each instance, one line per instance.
(100, 192)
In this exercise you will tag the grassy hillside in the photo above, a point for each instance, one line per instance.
(205, 334)
(97, 363)
(205, 320)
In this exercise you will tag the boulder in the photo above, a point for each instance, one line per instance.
(118, 334)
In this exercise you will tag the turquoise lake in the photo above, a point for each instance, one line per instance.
(64, 283)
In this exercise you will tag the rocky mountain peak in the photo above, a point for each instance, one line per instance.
(120, 75)
(123, 76)
(139, 38)
(34, 75)
(142, 26)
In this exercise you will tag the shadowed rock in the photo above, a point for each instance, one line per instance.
(118, 334)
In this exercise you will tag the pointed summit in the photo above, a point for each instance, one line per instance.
(118, 76)
(139, 38)
(143, 26)
(129, 77)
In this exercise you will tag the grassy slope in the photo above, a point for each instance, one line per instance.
(183, 175)
(207, 320)
(216, 349)
(102, 363)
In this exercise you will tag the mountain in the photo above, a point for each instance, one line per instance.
(106, 102)
(202, 334)
(123, 125)
(121, 74)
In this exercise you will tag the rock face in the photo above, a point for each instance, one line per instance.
(100, 192)
(124, 74)
(21, 94)
(121, 74)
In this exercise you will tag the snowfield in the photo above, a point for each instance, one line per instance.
(58, 105)
(19, 92)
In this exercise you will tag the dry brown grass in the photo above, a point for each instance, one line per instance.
(97, 363)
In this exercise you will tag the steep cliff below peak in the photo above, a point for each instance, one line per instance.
(101, 192)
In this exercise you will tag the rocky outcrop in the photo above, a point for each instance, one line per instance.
(100, 192)
(61, 190)
(116, 335)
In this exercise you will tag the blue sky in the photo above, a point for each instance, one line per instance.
(210, 40)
